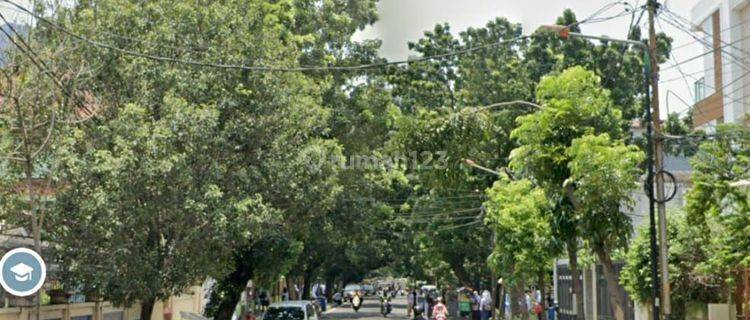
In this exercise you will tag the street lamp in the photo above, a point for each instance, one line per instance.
(565, 33)
(473, 164)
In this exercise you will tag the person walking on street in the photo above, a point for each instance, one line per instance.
(485, 305)
(440, 311)
(411, 298)
(425, 303)
(475, 301)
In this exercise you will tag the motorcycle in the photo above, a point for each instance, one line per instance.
(337, 299)
(356, 303)
(385, 306)
(418, 313)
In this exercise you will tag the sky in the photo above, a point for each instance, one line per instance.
(402, 21)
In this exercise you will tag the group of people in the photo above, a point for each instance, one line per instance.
(426, 304)
(481, 305)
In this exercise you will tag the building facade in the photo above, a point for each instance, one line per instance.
(723, 91)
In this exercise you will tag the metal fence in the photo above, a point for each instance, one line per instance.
(603, 302)
(565, 302)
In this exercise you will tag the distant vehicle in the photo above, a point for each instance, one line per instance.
(291, 310)
(350, 289)
(429, 287)
(368, 289)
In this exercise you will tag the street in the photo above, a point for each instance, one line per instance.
(370, 310)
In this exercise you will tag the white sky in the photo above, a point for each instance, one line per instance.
(406, 20)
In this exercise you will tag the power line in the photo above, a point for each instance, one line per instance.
(687, 30)
(687, 44)
(691, 26)
(693, 58)
(129, 52)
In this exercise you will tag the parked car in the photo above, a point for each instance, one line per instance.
(368, 289)
(291, 310)
(349, 291)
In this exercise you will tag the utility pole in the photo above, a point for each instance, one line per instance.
(658, 178)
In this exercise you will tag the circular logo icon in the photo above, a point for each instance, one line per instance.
(23, 272)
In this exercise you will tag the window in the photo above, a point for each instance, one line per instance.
(700, 89)
(115, 315)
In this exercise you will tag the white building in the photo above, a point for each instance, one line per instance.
(723, 92)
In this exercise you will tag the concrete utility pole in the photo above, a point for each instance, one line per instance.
(658, 178)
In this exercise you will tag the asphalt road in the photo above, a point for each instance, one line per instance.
(370, 310)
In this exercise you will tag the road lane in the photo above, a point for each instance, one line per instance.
(370, 310)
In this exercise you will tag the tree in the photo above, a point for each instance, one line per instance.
(576, 112)
(442, 126)
(143, 217)
(574, 105)
(720, 210)
(519, 214)
(605, 174)
(264, 132)
(688, 250)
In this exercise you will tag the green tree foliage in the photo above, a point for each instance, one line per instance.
(619, 66)
(678, 126)
(252, 157)
(442, 126)
(519, 214)
(146, 188)
(687, 251)
(605, 173)
(719, 210)
(572, 148)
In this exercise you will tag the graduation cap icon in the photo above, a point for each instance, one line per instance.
(22, 272)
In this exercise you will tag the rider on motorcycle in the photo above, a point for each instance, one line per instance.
(440, 312)
(385, 303)
(356, 301)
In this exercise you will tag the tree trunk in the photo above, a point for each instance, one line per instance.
(147, 307)
(516, 295)
(739, 293)
(329, 288)
(542, 295)
(228, 291)
(575, 276)
(460, 272)
(613, 284)
(306, 287)
(290, 288)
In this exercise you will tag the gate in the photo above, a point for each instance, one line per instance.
(565, 301)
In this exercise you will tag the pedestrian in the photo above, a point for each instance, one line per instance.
(451, 301)
(430, 303)
(440, 311)
(475, 301)
(551, 308)
(411, 298)
(485, 305)
(464, 303)
(538, 310)
(265, 301)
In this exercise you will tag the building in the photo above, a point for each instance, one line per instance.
(723, 91)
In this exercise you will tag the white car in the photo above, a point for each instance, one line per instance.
(291, 310)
